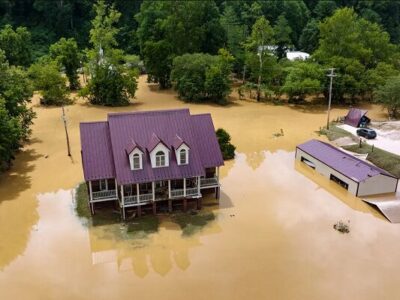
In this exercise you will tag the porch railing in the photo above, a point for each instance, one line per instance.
(145, 198)
(180, 193)
(208, 181)
(192, 192)
(177, 193)
(109, 194)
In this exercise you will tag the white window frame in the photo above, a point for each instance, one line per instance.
(178, 154)
(132, 155)
(160, 159)
(136, 161)
(183, 153)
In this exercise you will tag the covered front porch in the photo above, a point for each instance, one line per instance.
(145, 193)
(102, 190)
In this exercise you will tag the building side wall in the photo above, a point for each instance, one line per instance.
(379, 184)
(326, 171)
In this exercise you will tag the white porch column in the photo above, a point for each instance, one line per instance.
(91, 197)
(137, 192)
(218, 175)
(198, 185)
(169, 189)
(123, 201)
(184, 187)
(153, 190)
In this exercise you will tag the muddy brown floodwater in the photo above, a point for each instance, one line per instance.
(272, 237)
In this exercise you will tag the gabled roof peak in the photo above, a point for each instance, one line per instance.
(154, 141)
(132, 146)
(178, 141)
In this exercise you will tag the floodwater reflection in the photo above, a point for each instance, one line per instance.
(159, 252)
(272, 239)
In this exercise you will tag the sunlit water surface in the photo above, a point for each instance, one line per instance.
(272, 238)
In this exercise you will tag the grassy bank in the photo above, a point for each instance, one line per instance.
(383, 159)
(334, 132)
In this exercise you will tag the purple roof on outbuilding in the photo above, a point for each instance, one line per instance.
(356, 169)
(354, 116)
(144, 128)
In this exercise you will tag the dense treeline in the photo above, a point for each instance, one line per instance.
(197, 47)
(50, 20)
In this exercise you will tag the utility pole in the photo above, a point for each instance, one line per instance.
(330, 75)
(66, 130)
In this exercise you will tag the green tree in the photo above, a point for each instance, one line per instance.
(374, 78)
(236, 34)
(16, 44)
(15, 115)
(48, 80)
(67, 55)
(309, 38)
(261, 38)
(171, 28)
(10, 136)
(199, 77)
(112, 82)
(224, 141)
(389, 96)
(303, 78)
(324, 9)
(282, 33)
(353, 46)
(16, 91)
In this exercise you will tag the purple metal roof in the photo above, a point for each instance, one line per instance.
(206, 141)
(354, 116)
(97, 158)
(346, 164)
(141, 127)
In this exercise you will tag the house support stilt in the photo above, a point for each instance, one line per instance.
(154, 208)
(199, 203)
(170, 205)
(184, 204)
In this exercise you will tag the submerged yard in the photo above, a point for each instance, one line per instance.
(270, 236)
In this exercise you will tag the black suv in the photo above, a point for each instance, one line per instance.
(367, 133)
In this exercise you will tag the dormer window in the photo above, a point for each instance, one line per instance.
(160, 159)
(182, 154)
(136, 161)
(183, 157)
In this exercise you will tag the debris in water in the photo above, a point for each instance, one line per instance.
(46, 156)
(279, 134)
(342, 227)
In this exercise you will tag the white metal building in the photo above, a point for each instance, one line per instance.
(357, 176)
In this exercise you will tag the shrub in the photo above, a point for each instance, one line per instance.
(49, 81)
(203, 77)
(111, 85)
(224, 140)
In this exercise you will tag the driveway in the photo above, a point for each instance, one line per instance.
(388, 135)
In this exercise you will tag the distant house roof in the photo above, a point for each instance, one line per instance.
(344, 163)
(354, 116)
(147, 129)
(297, 55)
